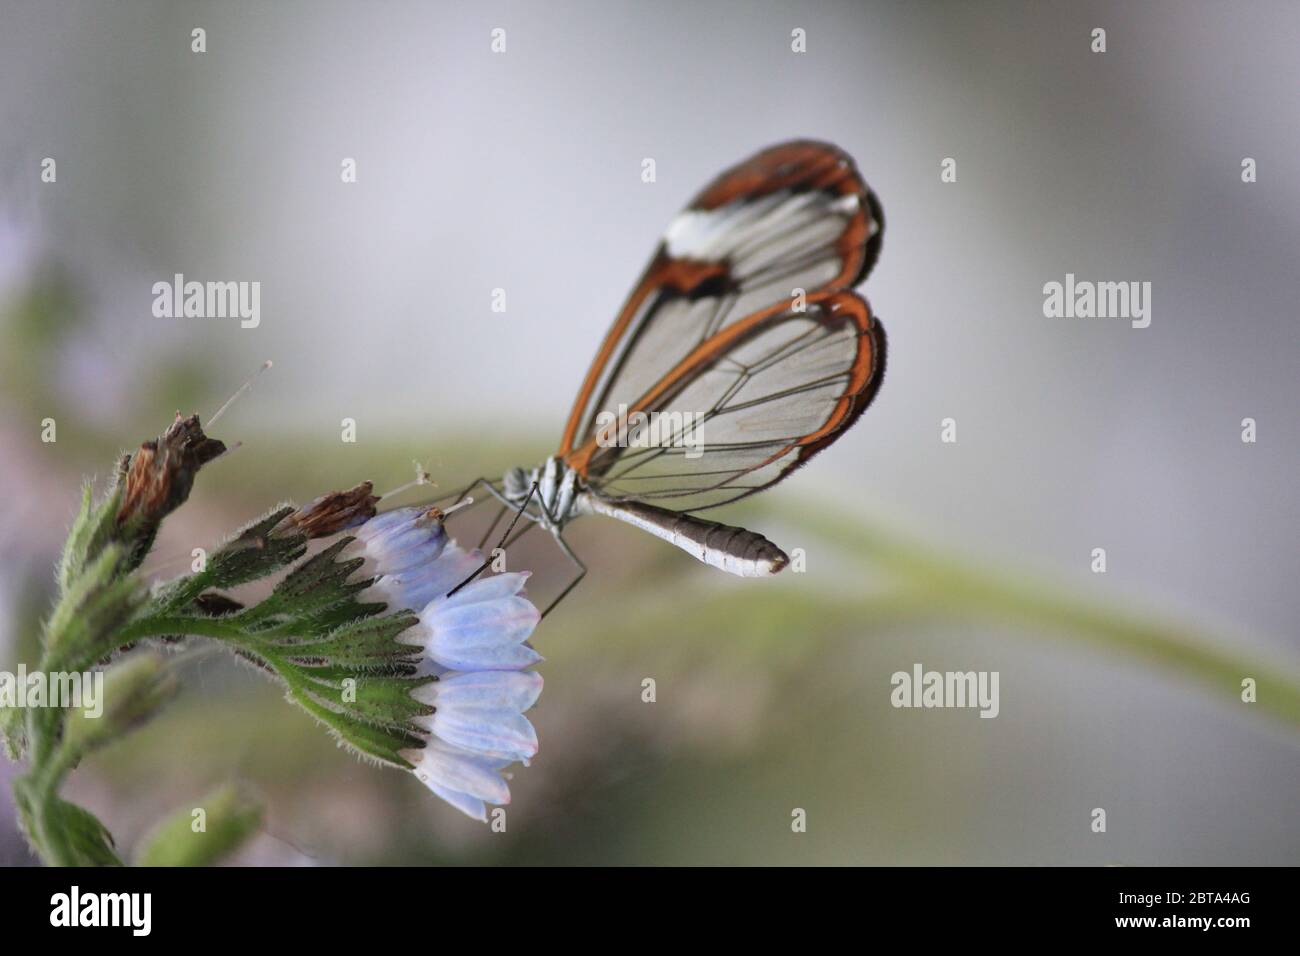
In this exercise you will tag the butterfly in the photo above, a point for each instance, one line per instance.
(741, 353)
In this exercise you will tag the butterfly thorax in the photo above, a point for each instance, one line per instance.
(557, 491)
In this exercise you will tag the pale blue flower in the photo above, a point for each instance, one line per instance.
(483, 712)
(465, 780)
(482, 627)
(399, 540)
(474, 648)
(415, 587)
(409, 555)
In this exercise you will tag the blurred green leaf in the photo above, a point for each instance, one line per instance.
(202, 835)
(69, 834)
(942, 585)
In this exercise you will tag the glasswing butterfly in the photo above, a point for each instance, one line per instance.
(744, 334)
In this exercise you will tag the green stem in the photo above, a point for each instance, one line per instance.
(954, 587)
(165, 624)
(50, 762)
(48, 765)
(44, 786)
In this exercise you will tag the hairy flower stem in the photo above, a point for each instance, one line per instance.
(35, 791)
(50, 759)
(38, 790)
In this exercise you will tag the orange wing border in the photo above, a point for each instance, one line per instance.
(798, 165)
(865, 375)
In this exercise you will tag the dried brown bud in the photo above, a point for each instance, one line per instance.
(160, 475)
(335, 512)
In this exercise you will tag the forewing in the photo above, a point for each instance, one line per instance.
(738, 319)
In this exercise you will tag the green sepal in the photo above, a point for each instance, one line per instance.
(370, 740)
(91, 532)
(314, 587)
(73, 835)
(97, 603)
(76, 547)
(252, 553)
(338, 658)
(86, 840)
(347, 612)
(363, 644)
(384, 700)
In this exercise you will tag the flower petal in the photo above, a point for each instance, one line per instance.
(416, 587)
(490, 588)
(382, 522)
(486, 636)
(497, 690)
(456, 770)
(493, 733)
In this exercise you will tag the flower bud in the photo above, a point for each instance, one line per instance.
(158, 479)
(201, 835)
(124, 696)
(335, 512)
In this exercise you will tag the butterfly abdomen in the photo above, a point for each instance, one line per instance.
(734, 550)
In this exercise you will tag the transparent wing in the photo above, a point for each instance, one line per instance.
(738, 326)
(738, 416)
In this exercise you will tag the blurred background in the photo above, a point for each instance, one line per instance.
(521, 171)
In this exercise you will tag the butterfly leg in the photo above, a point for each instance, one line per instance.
(548, 519)
(456, 497)
(492, 527)
(582, 573)
(523, 508)
(508, 538)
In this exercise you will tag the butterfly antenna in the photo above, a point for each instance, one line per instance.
(488, 563)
